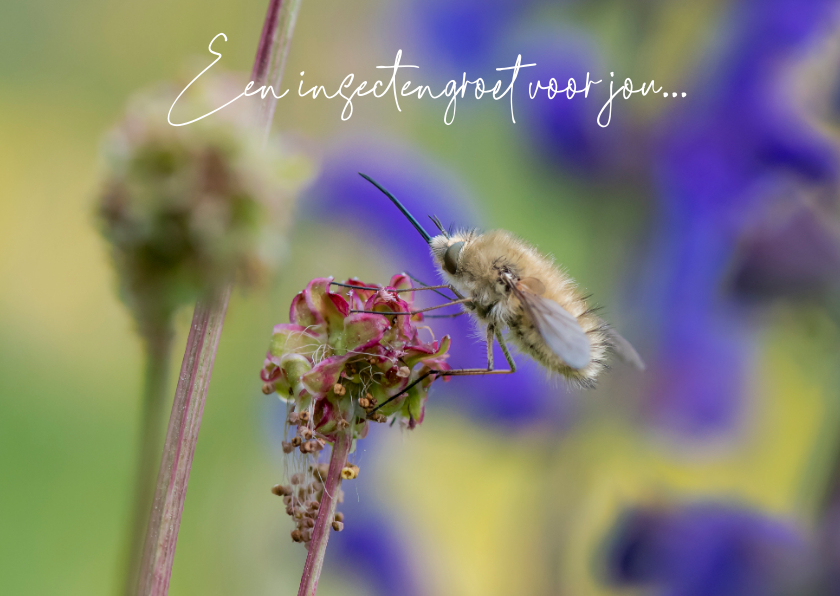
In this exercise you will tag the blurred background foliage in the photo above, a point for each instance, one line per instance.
(707, 226)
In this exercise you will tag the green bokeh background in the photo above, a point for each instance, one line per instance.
(471, 501)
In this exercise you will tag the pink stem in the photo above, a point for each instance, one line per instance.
(197, 366)
(272, 51)
(179, 447)
(326, 514)
(269, 31)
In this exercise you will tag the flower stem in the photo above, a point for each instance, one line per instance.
(181, 437)
(197, 366)
(326, 514)
(158, 346)
(272, 51)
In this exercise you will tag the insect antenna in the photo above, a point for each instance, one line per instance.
(439, 225)
(400, 206)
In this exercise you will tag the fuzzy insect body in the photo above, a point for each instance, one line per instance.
(508, 284)
(498, 270)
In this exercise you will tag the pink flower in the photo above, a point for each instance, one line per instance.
(345, 368)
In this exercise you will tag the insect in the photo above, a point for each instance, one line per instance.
(508, 284)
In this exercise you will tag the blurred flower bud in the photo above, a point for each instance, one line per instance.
(190, 207)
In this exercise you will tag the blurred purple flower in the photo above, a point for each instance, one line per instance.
(565, 131)
(829, 548)
(737, 144)
(340, 196)
(466, 32)
(697, 381)
(706, 549)
(371, 548)
(792, 251)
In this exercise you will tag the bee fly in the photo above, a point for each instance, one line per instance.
(506, 283)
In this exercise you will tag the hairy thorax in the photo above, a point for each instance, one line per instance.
(485, 260)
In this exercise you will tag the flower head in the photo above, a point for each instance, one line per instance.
(339, 364)
(186, 208)
(343, 367)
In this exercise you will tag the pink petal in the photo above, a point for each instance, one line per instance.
(426, 353)
(340, 303)
(314, 296)
(402, 282)
(300, 313)
(326, 374)
(364, 330)
(289, 338)
(362, 295)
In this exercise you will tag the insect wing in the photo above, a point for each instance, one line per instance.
(624, 350)
(558, 328)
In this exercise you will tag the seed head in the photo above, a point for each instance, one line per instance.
(186, 208)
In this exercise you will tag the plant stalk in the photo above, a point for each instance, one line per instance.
(326, 514)
(158, 347)
(272, 51)
(181, 438)
(197, 366)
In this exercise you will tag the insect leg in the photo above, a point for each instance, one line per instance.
(451, 289)
(457, 314)
(410, 385)
(501, 339)
(414, 312)
(492, 332)
(376, 288)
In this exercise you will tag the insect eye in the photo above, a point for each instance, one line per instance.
(450, 257)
